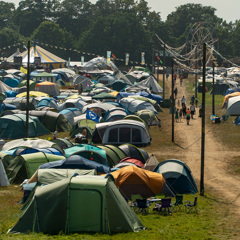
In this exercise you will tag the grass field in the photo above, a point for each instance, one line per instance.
(212, 221)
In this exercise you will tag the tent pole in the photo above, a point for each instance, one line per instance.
(28, 77)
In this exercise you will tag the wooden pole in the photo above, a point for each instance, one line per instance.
(196, 67)
(158, 66)
(172, 103)
(213, 90)
(28, 79)
(203, 123)
(164, 59)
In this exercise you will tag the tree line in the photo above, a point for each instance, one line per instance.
(120, 26)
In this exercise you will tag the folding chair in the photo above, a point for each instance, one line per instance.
(164, 207)
(191, 205)
(178, 204)
(142, 206)
(132, 203)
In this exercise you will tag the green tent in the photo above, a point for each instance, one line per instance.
(103, 95)
(148, 116)
(78, 204)
(24, 166)
(48, 176)
(32, 84)
(114, 154)
(13, 127)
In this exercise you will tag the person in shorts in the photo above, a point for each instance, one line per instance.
(188, 116)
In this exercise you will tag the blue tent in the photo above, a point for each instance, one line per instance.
(22, 151)
(77, 162)
(178, 176)
(88, 151)
(12, 82)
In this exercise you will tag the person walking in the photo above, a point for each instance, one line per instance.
(192, 99)
(196, 102)
(180, 115)
(177, 115)
(181, 80)
(192, 109)
(184, 108)
(188, 116)
(183, 101)
(175, 92)
(167, 75)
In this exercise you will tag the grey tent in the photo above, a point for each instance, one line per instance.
(3, 176)
(152, 84)
(233, 107)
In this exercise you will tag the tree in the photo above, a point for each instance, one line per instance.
(6, 13)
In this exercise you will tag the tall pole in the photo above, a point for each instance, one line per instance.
(172, 104)
(164, 56)
(158, 65)
(196, 68)
(213, 93)
(28, 79)
(203, 123)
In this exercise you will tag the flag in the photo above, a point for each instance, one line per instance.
(24, 70)
(159, 59)
(113, 55)
(92, 116)
(127, 59)
(108, 57)
(142, 58)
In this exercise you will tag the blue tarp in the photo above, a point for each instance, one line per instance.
(77, 162)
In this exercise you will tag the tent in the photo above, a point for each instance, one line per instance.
(103, 95)
(48, 87)
(134, 105)
(24, 166)
(152, 84)
(114, 114)
(151, 163)
(178, 175)
(32, 84)
(32, 94)
(69, 205)
(4, 87)
(132, 180)
(72, 103)
(90, 152)
(44, 76)
(70, 113)
(148, 116)
(228, 96)
(114, 154)
(134, 161)
(77, 162)
(13, 126)
(124, 131)
(51, 120)
(47, 58)
(51, 175)
(233, 107)
(134, 152)
(3, 176)
(47, 102)
(24, 150)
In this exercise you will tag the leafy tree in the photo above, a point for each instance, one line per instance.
(6, 13)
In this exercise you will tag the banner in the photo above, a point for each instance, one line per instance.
(23, 70)
(82, 60)
(127, 59)
(108, 57)
(92, 116)
(142, 57)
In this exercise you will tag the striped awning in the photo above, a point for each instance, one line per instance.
(37, 51)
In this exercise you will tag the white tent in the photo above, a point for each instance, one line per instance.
(4, 87)
(233, 108)
(152, 84)
(3, 176)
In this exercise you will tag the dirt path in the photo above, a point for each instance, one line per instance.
(218, 181)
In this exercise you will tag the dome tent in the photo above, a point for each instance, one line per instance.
(69, 206)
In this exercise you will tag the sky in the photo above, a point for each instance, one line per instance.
(226, 9)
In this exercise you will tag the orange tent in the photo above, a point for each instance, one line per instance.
(133, 180)
(48, 87)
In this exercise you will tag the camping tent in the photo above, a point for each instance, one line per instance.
(148, 116)
(77, 162)
(24, 166)
(70, 113)
(3, 176)
(4, 87)
(114, 114)
(178, 175)
(78, 204)
(233, 107)
(13, 126)
(48, 87)
(152, 84)
(132, 180)
(72, 103)
(90, 152)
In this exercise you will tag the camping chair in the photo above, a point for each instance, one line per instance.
(142, 206)
(191, 206)
(132, 203)
(178, 204)
(164, 207)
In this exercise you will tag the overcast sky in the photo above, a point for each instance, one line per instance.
(226, 9)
